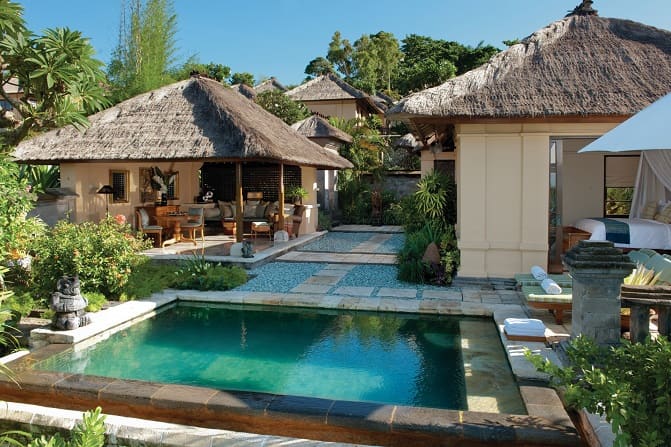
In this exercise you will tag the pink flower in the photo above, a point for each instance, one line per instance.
(120, 219)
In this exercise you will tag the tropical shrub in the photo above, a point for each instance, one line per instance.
(103, 255)
(411, 267)
(16, 199)
(629, 384)
(436, 198)
(90, 432)
(324, 223)
(146, 278)
(199, 274)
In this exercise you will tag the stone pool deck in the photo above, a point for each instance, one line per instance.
(545, 424)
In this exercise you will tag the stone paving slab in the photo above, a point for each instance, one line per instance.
(335, 258)
(356, 291)
(312, 288)
(397, 293)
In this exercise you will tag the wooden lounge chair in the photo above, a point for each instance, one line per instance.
(144, 227)
(537, 298)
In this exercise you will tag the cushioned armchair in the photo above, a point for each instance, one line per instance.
(144, 227)
(196, 221)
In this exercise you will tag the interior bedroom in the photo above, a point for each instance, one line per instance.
(602, 196)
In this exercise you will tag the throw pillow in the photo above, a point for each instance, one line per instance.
(649, 210)
(211, 213)
(664, 216)
(261, 210)
(227, 210)
(252, 202)
(250, 210)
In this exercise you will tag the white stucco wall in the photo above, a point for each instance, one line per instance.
(503, 189)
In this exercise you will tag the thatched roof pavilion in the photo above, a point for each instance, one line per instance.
(270, 85)
(195, 119)
(317, 127)
(330, 87)
(580, 66)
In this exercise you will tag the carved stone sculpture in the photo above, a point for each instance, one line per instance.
(69, 305)
(247, 249)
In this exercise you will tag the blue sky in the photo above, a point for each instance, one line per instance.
(278, 38)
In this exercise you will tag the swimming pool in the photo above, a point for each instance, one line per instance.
(413, 360)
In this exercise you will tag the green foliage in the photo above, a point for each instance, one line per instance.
(57, 72)
(436, 197)
(377, 63)
(324, 222)
(376, 58)
(199, 274)
(411, 268)
(283, 107)
(102, 255)
(90, 432)
(340, 54)
(16, 199)
(146, 48)
(147, 278)
(628, 384)
(212, 70)
(96, 301)
(242, 78)
(317, 67)
(41, 177)
(295, 193)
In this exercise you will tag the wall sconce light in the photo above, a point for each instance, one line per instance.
(107, 190)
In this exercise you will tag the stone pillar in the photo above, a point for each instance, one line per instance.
(597, 269)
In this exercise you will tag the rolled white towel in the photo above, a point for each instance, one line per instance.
(529, 327)
(538, 273)
(550, 286)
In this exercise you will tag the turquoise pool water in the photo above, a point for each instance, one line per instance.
(374, 357)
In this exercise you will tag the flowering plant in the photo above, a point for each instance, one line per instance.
(160, 181)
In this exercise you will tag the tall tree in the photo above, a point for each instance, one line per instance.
(283, 107)
(317, 67)
(340, 54)
(243, 78)
(60, 79)
(146, 48)
(376, 58)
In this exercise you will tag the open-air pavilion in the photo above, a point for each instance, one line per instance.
(180, 128)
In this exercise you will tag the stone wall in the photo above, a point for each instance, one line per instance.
(401, 183)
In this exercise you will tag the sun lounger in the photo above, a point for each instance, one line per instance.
(527, 279)
(557, 304)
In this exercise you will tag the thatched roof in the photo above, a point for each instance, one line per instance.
(581, 65)
(196, 119)
(245, 90)
(330, 87)
(269, 85)
(316, 126)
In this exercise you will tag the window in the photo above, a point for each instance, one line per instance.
(173, 188)
(619, 180)
(119, 181)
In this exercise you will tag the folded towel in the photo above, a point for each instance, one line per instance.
(550, 287)
(529, 327)
(538, 273)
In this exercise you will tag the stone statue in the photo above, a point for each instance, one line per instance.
(247, 249)
(69, 304)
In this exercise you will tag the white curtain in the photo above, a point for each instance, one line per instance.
(653, 181)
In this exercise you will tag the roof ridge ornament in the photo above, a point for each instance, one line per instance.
(584, 9)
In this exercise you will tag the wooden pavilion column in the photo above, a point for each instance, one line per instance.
(239, 222)
(280, 222)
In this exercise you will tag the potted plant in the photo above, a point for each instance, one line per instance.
(296, 194)
(160, 182)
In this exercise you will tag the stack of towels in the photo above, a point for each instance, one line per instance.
(547, 284)
(526, 327)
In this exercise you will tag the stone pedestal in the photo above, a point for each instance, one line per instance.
(597, 269)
